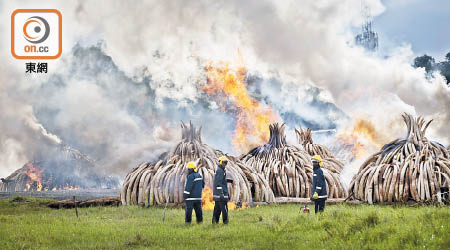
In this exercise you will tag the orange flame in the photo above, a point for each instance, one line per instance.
(66, 187)
(364, 137)
(35, 182)
(207, 199)
(69, 187)
(208, 202)
(34, 174)
(228, 82)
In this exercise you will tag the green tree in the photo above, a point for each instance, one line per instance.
(424, 61)
(429, 64)
(444, 68)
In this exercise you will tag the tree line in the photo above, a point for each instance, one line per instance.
(430, 65)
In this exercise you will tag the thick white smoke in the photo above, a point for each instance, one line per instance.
(110, 107)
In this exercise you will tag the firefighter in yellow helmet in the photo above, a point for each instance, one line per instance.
(193, 193)
(220, 192)
(319, 186)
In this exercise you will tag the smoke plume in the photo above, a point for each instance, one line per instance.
(131, 71)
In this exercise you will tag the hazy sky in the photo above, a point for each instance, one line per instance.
(425, 24)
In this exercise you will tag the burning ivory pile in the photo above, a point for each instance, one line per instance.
(20, 180)
(163, 182)
(287, 168)
(410, 169)
(329, 161)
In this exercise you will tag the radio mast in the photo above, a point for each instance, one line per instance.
(367, 38)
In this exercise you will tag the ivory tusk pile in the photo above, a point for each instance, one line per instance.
(404, 169)
(152, 183)
(287, 168)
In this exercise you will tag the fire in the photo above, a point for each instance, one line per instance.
(66, 187)
(208, 202)
(207, 199)
(364, 137)
(227, 81)
(34, 174)
(36, 183)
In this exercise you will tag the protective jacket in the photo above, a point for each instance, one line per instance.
(194, 186)
(220, 185)
(319, 185)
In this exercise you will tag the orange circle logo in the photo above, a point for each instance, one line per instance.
(36, 29)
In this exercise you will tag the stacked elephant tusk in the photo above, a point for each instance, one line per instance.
(330, 162)
(164, 181)
(405, 169)
(287, 168)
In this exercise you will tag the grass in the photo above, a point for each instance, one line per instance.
(26, 223)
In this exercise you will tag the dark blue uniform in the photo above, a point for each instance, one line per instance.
(220, 196)
(193, 196)
(320, 186)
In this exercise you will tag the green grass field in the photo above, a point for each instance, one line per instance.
(31, 225)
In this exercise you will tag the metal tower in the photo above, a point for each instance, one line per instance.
(368, 38)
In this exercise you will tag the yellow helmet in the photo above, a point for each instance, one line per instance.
(318, 158)
(222, 159)
(192, 165)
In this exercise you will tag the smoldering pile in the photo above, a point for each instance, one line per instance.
(287, 168)
(405, 169)
(330, 162)
(332, 167)
(163, 181)
(62, 168)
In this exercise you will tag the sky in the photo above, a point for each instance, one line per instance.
(424, 24)
(129, 73)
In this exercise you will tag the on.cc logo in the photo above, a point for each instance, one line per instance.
(36, 34)
(40, 28)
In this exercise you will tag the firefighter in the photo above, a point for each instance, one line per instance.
(319, 187)
(220, 192)
(193, 193)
